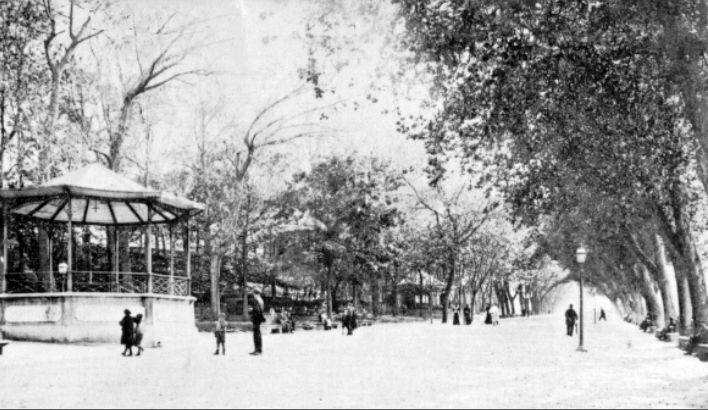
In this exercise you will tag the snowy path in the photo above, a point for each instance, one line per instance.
(522, 363)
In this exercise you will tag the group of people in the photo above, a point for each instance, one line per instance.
(648, 323)
(491, 318)
(131, 333)
(466, 314)
(571, 319)
(255, 311)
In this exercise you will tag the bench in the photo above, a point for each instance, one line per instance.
(683, 342)
(3, 343)
(701, 351)
(669, 337)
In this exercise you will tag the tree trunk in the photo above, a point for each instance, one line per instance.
(684, 304)
(691, 269)
(652, 299)
(244, 272)
(448, 287)
(214, 274)
(472, 303)
(394, 292)
(328, 288)
(510, 299)
(663, 280)
(375, 294)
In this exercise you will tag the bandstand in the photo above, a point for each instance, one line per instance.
(68, 305)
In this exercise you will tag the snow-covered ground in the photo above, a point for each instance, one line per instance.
(525, 362)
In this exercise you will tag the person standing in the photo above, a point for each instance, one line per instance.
(570, 317)
(467, 313)
(138, 334)
(603, 316)
(456, 317)
(494, 313)
(488, 317)
(349, 321)
(257, 318)
(126, 337)
(220, 334)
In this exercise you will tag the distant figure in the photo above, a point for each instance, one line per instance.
(694, 340)
(664, 333)
(494, 312)
(138, 334)
(327, 322)
(467, 313)
(349, 320)
(647, 323)
(257, 318)
(456, 317)
(285, 321)
(488, 318)
(126, 337)
(602, 315)
(570, 317)
(220, 334)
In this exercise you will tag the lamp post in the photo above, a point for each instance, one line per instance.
(580, 256)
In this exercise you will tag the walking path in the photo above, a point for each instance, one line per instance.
(525, 362)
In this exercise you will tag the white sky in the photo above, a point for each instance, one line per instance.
(255, 55)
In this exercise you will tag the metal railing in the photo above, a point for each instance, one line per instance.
(97, 282)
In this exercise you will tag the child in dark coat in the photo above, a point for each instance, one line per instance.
(220, 334)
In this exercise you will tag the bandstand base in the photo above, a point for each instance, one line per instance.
(94, 317)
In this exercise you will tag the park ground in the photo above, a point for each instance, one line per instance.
(524, 362)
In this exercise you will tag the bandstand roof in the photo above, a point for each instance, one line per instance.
(98, 196)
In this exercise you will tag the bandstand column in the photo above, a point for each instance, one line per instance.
(148, 253)
(3, 272)
(52, 281)
(116, 257)
(69, 246)
(172, 260)
(188, 259)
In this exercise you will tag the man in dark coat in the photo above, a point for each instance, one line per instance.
(467, 313)
(126, 338)
(570, 317)
(257, 318)
(349, 321)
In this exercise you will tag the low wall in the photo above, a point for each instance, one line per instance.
(94, 317)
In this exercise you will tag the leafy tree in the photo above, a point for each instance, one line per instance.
(575, 101)
(352, 201)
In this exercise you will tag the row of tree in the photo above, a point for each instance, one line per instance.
(590, 117)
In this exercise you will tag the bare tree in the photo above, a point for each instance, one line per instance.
(58, 56)
(454, 226)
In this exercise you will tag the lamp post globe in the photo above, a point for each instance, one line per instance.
(581, 255)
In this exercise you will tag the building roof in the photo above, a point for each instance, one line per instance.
(96, 195)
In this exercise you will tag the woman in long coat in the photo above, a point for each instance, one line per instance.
(467, 313)
(126, 337)
(138, 334)
(456, 317)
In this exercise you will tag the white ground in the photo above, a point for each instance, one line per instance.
(525, 362)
